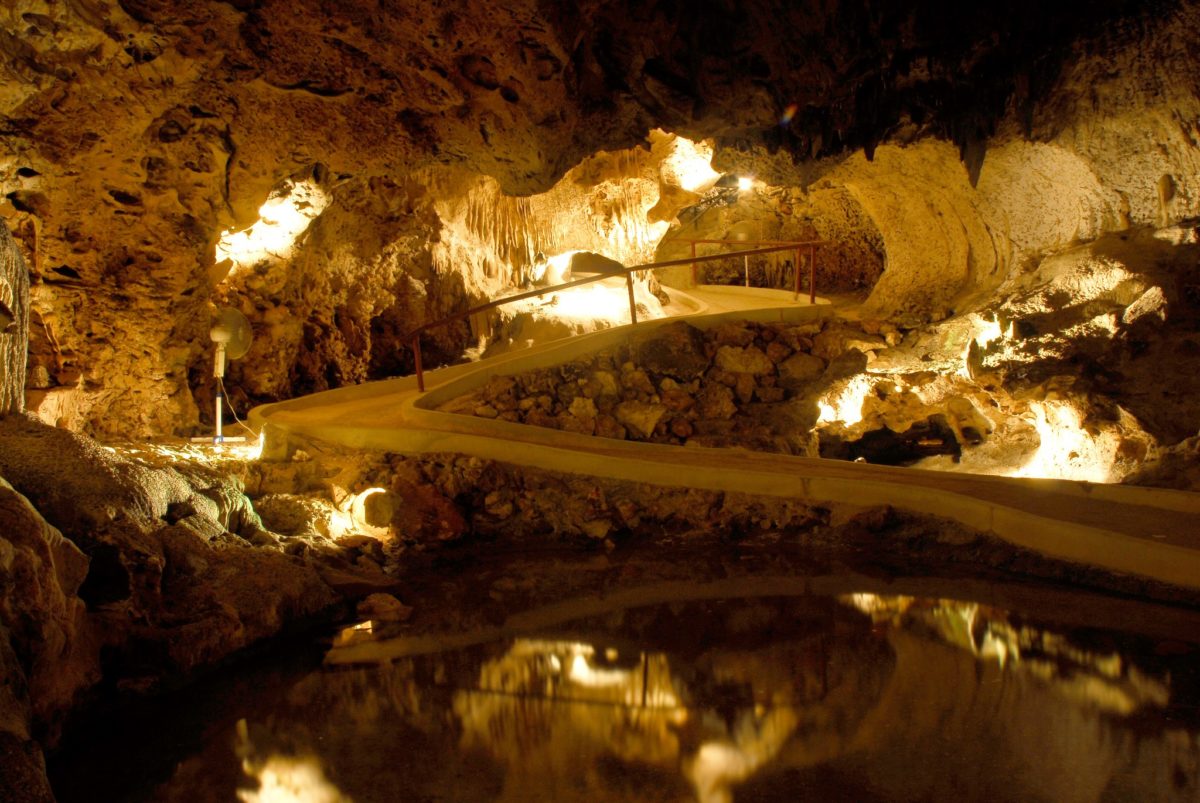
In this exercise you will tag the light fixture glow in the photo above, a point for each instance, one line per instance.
(361, 516)
(283, 218)
(844, 405)
(745, 183)
(1066, 450)
(554, 270)
(690, 165)
(983, 333)
(594, 306)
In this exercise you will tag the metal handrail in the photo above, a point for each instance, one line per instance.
(415, 335)
(811, 245)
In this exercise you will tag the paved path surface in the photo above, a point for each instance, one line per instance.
(1150, 532)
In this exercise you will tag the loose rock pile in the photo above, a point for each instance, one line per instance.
(494, 501)
(740, 383)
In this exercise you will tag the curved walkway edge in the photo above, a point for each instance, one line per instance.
(1150, 532)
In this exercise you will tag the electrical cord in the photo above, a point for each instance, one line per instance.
(225, 395)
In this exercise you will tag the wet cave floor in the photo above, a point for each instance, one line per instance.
(748, 672)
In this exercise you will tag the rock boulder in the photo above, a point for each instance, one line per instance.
(675, 350)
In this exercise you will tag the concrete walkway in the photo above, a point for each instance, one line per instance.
(1150, 532)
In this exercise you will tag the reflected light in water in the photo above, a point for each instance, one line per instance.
(355, 634)
(585, 674)
(284, 779)
(1091, 679)
(879, 608)
(718, 765)
(917, 698)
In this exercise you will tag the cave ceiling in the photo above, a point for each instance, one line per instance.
(520, 91)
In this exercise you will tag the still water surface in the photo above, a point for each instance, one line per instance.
(649, 695)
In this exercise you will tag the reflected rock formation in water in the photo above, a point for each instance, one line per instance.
(704, 707)
(859, 697)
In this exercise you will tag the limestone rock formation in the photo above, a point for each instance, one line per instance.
(43, 616)
(676, 350)
(733, 384)
(14, 324)
(47, 648)
(178, 570)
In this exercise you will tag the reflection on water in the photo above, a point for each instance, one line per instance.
(283, 778)
(856, 697)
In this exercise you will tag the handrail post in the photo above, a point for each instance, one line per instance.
(632, 306)
(812, 274)
(416, 347)
(695, 274)
(746, 268)
(796, 277)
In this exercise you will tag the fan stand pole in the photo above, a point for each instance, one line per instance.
(218, 375)
(218, 437)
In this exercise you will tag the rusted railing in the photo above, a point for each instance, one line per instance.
(800, 246)
(415, 335)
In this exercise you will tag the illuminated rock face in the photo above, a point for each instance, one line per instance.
(145, 139)
(1026, 176)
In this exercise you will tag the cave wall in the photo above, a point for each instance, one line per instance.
(936, 242)
(617, 203)
(376, 258)
(1112, 146)
(138, 132)
(362, 267)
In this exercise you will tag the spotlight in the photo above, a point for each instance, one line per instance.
(745, 183)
